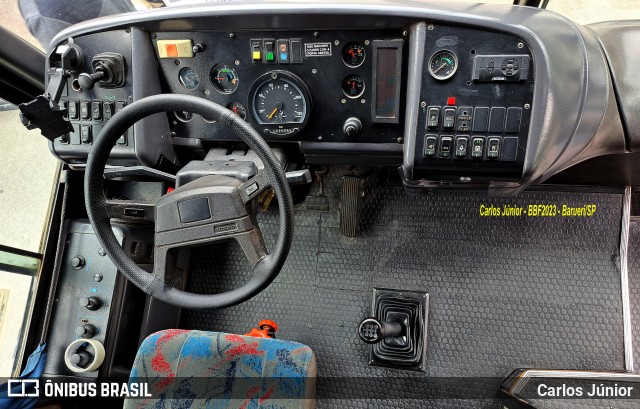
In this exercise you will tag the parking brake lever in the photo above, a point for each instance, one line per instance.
(44, 112)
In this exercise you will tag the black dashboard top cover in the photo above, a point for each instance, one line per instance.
(621, 43)
(574, 113)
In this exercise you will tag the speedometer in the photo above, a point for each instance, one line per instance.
(280, 103)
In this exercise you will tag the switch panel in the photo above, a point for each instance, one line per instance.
(500, 68)
(473, 110)
(84, 295)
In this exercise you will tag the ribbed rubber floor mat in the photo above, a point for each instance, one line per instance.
(634, 288)
(505, 292)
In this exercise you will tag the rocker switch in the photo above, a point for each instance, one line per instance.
(449, 118)
(433, 118)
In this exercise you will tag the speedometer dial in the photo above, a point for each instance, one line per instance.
(280, 103)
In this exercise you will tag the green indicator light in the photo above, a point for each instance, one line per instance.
(269, 56)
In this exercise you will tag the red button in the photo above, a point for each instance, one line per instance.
(451, 101)
(172, 50)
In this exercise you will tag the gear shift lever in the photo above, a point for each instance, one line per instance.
(372, 331)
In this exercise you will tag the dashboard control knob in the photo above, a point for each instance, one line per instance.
(90, 355)
(90, 303)
(352, 127)
(81, 359)
(86, 331)
(77, 262)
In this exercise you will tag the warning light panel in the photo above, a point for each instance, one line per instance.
(175, 48)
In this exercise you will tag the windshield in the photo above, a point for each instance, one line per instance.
(593, 11)
(38, 21)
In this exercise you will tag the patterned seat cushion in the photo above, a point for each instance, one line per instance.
(197, 369)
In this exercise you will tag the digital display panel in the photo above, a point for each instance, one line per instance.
(387, 65)
(386, 83)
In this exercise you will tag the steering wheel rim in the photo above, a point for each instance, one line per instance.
(267, 268)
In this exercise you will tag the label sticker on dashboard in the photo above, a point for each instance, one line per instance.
(317, 49)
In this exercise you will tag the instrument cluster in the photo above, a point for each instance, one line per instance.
(290, 86)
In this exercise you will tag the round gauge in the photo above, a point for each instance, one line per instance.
(238, 109)
(353, 54)
(188, 78)
(280, 103)
(443, 64)
(183, 116)
(353, 86)
(225, 80)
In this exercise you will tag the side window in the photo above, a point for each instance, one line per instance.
(28, 175)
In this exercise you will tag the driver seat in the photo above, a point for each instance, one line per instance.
(199, 369)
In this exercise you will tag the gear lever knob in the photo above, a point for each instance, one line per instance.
(372, 331)
(87, 81)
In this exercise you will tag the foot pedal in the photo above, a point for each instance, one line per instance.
(350, 205)
(319, 202)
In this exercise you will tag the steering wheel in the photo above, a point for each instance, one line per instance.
(209, 209)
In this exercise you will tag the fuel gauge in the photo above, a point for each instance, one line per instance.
(353, 86)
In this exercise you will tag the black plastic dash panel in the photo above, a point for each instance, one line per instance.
(473, 126)
(315, 57)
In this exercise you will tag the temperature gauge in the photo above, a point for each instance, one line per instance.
(238, 109)
(353, 86)
(353, 54)
(224, 79)
(443, 64)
